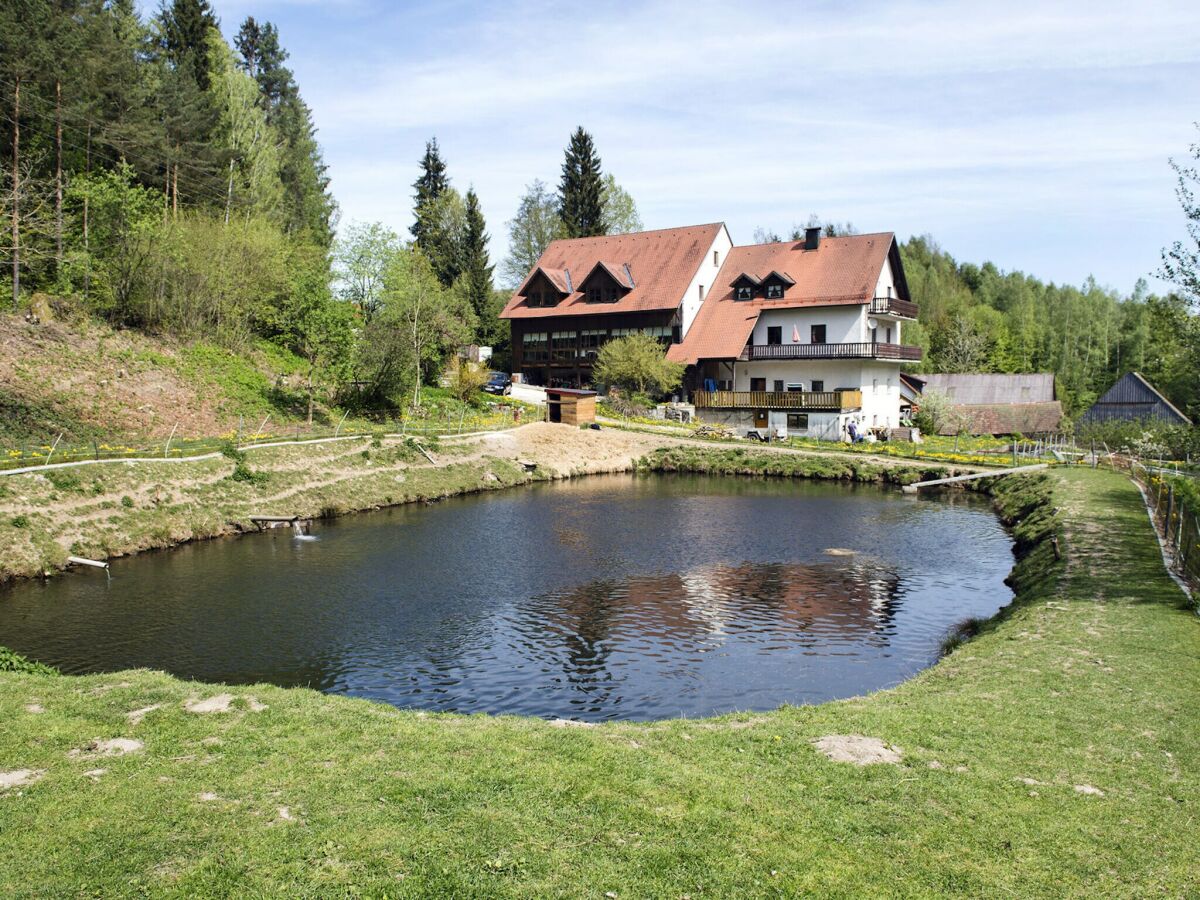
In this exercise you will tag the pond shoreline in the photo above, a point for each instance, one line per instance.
(129, 510)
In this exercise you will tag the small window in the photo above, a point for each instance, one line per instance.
(778, 388)
(796, 387)
(758, 384)
(818, 386)
(774, 334)
(744, 292)
(816, 334)
(888, 334)
(774, 291)
(716, 257)
(797, 421)
(701, 293)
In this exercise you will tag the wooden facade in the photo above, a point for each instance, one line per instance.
(797, 400)
(556, 351)
(570, 407)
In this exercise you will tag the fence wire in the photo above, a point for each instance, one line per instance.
(1175, 515)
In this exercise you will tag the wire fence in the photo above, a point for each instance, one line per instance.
(1173, 509)
(249, 434)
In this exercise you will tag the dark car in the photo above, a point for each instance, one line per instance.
(498, 383)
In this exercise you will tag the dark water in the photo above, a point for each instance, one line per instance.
(617, 597)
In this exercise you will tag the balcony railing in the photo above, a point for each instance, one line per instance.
(809, 400)
(833, 351)
(891, 306)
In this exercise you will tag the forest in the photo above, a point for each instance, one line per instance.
(161, 178)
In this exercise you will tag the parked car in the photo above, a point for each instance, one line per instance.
(498, 383)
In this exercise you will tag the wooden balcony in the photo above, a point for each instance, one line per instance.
(891, 306)
(833, 351)
(806, 400)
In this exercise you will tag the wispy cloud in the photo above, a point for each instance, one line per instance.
(1027, 133)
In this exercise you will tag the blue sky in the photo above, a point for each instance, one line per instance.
(1035, 135)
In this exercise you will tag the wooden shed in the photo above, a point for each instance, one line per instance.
(1133, 399)
(570, 406)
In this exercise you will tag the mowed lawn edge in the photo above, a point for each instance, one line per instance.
(1056, 753)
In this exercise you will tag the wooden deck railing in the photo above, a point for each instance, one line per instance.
(892, 306)
(811, 400)
(834, 351)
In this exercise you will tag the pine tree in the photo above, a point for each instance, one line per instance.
(477, 270)
(187, 27)
(580, 193)
(432, 182)
(308, 207)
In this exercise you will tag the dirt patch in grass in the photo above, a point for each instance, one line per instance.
(107, 747)
(858, 749)
(19, 778)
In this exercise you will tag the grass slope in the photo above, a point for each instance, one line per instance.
(1090, 680)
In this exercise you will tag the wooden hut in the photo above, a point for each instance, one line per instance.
(570, 406)
(1133, 399)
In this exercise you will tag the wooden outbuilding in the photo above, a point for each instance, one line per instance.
(1133, 399)
(570, 406)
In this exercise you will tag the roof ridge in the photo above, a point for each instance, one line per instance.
(800, 240)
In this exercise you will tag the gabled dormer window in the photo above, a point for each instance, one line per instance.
(775, 284)
(743, 292)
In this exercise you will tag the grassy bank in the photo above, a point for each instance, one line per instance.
(1055, 754)
(116, 509)
(739, 461)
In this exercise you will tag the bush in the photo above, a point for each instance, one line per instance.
(15, 662)
(63, 480)
(637, 364)
(127, 502)
(21, 521)
(466, 379)
(1147, 437)
(246, 475)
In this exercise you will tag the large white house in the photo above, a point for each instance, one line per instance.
(798, 336)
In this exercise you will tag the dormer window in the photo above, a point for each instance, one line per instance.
(607, 283)
(542, 290)
(775, 284)
(745, 286)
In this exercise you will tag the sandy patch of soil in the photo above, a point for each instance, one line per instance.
(34, 708)
(218, 704)
(1088, 789)
(135, 716)
(857, 749)
(19, 778)
(110, 747)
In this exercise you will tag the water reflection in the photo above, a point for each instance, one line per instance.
(605, 598)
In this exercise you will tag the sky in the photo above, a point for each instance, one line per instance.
(1034, 135)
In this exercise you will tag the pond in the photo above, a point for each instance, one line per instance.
(616, 597)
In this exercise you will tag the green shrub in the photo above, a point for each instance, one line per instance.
(63, 480)
(243, 473)
(127, 502)
(21, 521)
(15, 662)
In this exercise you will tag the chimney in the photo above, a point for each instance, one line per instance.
(812, 237)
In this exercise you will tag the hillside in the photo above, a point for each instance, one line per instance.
(89, 381)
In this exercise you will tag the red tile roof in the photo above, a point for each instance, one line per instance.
(841, 271)
(662, 263)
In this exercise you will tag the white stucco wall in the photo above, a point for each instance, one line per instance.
(843, 324)
(878, 381)
(886, 282)
(706, 275)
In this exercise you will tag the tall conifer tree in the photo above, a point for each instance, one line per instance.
(477, 270)
(429, 186)
(580, 193)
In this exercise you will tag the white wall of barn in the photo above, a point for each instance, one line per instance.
(705, 278)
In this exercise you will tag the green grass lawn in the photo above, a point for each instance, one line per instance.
(1092, 681)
